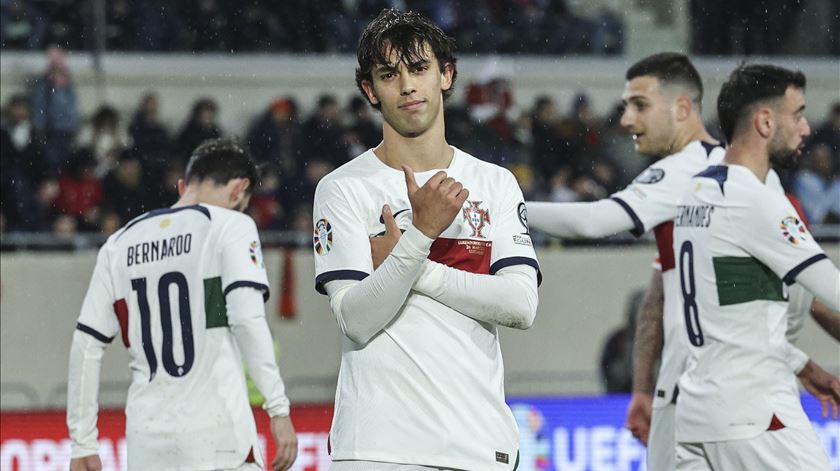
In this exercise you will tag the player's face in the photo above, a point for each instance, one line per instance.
(648, 116)
(792, 128)
(410, 95)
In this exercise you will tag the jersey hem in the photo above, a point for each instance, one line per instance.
(249, 284)
(423, 460)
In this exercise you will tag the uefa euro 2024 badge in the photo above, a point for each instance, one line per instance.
(793, 230)
(476, 217)
(322, 236)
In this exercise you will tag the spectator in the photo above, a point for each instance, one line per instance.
(617, 354)
(490, 101)
(79, 191)
(21, 165)
(547, 157)
(103, 137)
(150, 139)
(275, 138)
(22, 25)
(201, 125)
(829, 133)
(817, 186)
(55, 111)
(123, 188)
(324, 135)
(266, 202)
(365, 131)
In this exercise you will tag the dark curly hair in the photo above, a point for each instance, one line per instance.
(407, 33)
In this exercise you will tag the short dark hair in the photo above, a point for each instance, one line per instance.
(671, 68)
(406, 33)
(751, 84)
(221, 160)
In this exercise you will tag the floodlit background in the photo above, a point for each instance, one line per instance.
(103, 101)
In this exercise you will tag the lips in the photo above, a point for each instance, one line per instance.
(412, 105)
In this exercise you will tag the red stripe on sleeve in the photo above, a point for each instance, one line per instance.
(121, 311)
(664, 234)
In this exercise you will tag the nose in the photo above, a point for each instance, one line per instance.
(806, 128)
(626, 119)
(407, 85)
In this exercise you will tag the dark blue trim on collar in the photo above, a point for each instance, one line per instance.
(511, 261)
(94, 333)
(638, 227)
(790, 277)
(249, 284)
(719, 173)
(326, 277)
(162, 211)
(709, 147)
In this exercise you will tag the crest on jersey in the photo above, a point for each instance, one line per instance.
(793, 230)
(256, 254)
(476, 217)
(650, 176)
(322, 237)
(522, 212)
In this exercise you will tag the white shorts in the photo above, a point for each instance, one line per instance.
(358, 465)
(780, 450)
(661, 441)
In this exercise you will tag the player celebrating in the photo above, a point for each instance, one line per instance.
(421, 378)
(736, 241)
(185, 286)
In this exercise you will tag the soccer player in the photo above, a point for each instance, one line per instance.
(185, 287)
(662, 98)
(737, 243)
(419, 307)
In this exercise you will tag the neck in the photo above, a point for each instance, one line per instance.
(694, 130)
(755, 158)
(201, 193)
(427, 151)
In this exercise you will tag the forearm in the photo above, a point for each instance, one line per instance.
(246, 315)
(828, 319)
(588, 220)
(83, 393)
(647, 346)
(508, 298)
(364, 308)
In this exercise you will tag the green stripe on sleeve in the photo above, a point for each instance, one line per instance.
(745, 279)
(214, 303)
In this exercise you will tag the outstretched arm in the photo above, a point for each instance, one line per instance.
(579, 220)
(647, 348)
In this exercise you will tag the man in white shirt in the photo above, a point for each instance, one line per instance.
(184, 286)
(738, 243)
(662, 98)
(424, 252)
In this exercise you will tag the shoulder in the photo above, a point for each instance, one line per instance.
(357, 170)
(472, 165)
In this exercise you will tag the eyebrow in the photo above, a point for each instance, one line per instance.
(635, 98)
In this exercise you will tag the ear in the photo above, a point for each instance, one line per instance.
(367, 86)
(238, 190)
(446, 76)
(683, 107)
(182, 187)
(763, 122)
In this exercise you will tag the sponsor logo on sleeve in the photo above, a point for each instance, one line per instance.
(650, 176)
(793, 230)
(476, 217)
(256, 254)
(522, 239)
(322, 237)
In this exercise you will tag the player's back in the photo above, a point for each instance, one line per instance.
(734, 304)
(187, 406)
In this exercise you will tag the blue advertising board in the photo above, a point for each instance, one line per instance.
(588, 434)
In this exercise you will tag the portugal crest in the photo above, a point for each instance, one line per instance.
(476, 217)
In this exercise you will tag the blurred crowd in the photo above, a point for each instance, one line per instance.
(63, 172)
(480, 26)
